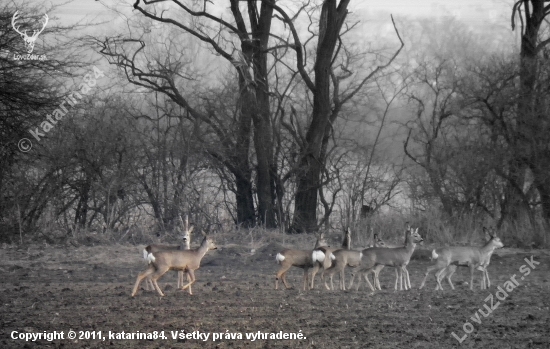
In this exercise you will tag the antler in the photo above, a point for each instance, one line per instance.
(15, 16)
(44, 25)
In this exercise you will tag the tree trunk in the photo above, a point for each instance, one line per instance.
(245, 202)
(263, 138)
(527, 118)
(308, 178)
(255, 93)
(242, 171)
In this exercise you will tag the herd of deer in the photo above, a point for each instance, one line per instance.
(372, 260)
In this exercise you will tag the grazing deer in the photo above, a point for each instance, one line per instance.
(297, 258)
(322, 256)
(397, 257)
(476, 258)
(185, 245)
(181, 260)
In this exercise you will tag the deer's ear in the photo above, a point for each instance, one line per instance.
(322, 236)
(203, 233)
(488, 235)
(191, 228)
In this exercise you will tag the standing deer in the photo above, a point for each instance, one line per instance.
(29, 40)
(185, 245)
(297, 258)
(186, 260)
(322, 256)
(448, 258)
(397, 257)
(377, 242)
(341, 259)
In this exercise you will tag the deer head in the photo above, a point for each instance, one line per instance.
(29, 40)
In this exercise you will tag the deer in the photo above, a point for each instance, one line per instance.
(476, 258)
(185, 245)
(397, 257)
(341, 259)
(377, 242)
(182, 260)
(378, 268)
(322, 256)
(298, 258)
(29, 40)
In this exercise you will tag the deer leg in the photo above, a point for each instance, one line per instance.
(472, 269)
(368, 283)
(428, 271)
(306, 280)
(370, 271)
(150, 270)
(443, 275)
(361, 273)
(329, 272)
(316, 268)
(180, 279)
(281, 274)
(486, 280)
(398, 276)
(377, 270)
(365, 274)
(353, 279)
(190, 279)
(342, 279)
(438, 277)
(157, 275)
(406, 277)
(451, 271)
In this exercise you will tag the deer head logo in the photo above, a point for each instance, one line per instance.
(29, 40)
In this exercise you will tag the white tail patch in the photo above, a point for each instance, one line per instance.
(279, 258)
(318, 256)
(150, 258)
(434, 255)
(145, 253)
(332, 256)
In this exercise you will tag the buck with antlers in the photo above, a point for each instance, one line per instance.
(29, 40)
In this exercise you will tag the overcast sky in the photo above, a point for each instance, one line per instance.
(478, 13)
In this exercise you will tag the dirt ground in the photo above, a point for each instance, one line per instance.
(87, 290)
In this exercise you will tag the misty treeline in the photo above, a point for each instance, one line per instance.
(281, 114)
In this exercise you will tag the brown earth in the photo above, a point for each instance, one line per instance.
(47, 288)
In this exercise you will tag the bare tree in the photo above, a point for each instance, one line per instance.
(532, 127)
(327, 102)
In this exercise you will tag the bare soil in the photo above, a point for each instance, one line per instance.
(46, 288)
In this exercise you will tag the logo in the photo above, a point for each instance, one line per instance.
(29, 40)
